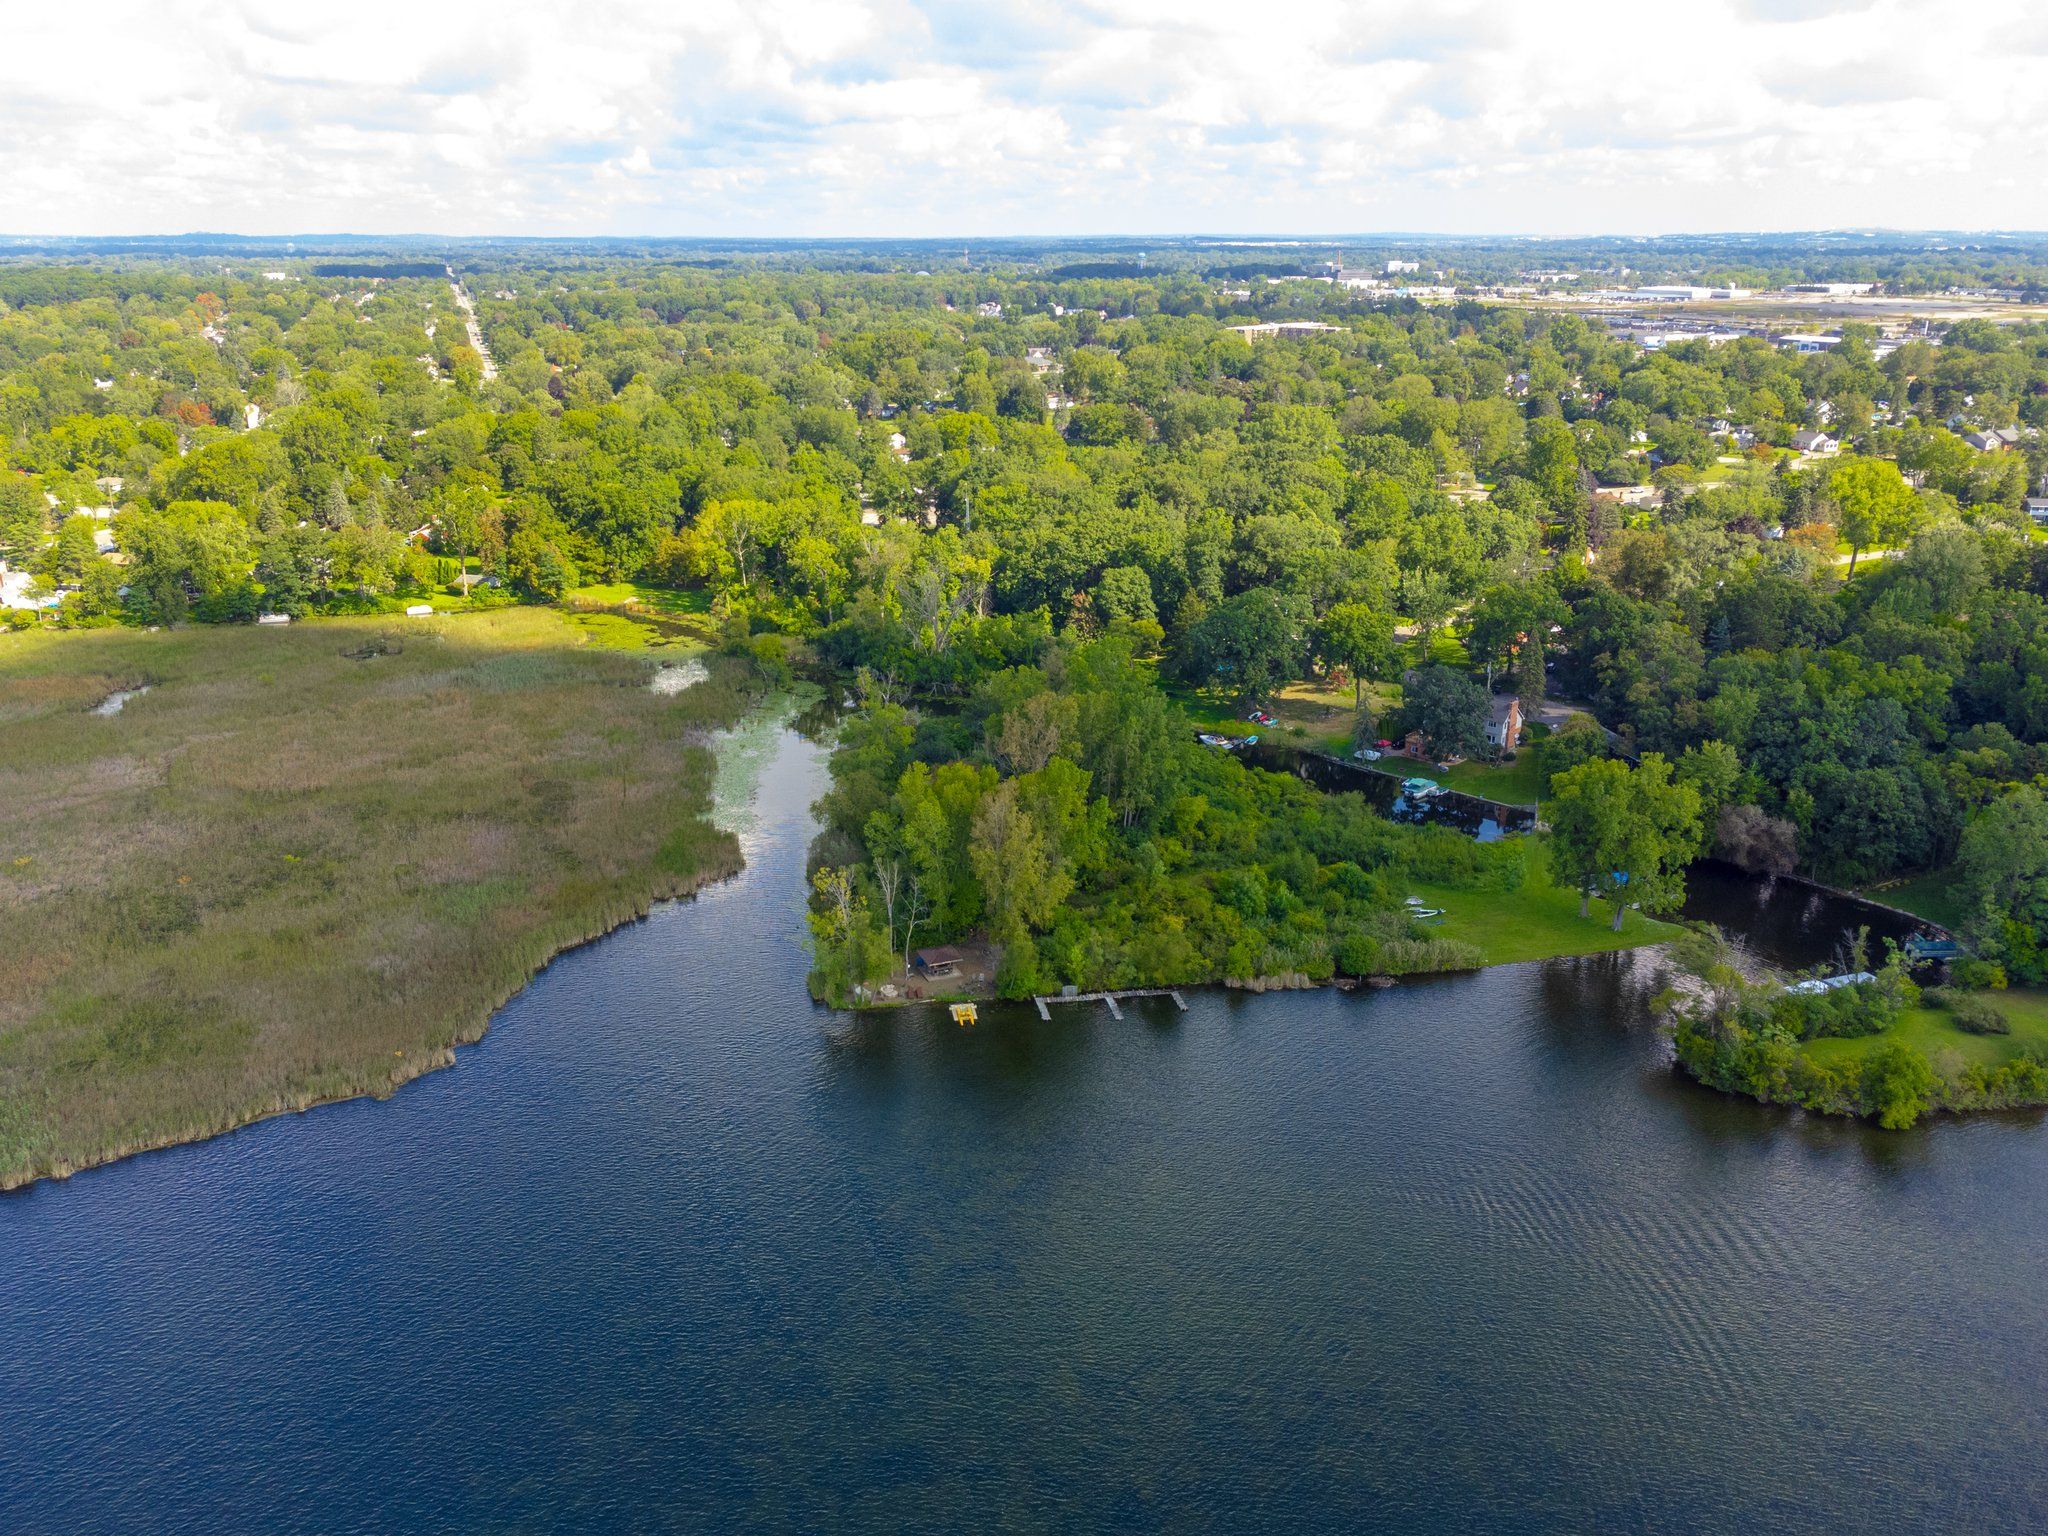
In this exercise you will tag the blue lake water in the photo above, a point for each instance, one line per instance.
(672, 1249)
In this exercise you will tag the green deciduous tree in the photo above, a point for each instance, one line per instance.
(1449, 708)
(1624, 834)
(1875, 506)
(1360, 638)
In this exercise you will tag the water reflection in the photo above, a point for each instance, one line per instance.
(1789, 922)
(1483, 819)
(1454, 1255)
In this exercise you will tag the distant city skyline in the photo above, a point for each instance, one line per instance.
(892, 118)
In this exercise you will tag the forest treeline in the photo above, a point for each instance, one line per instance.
(970, 500)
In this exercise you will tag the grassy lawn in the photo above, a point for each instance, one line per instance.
(1311, 714)
(311, 859)
(639, 594)
(1516, 783)
(1946, 1046)
(1536, 922)
(1446, 649)
(1932, 896)
(620, 632)
(631, 616)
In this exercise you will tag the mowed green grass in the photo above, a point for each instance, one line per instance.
(631, 616)
(284, 875)
(1932, 896)
(623, 633)
(638, 593)
(1930, 1030)
(1516, 783)
(1537, 921)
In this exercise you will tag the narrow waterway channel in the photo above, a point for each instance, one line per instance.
(674, 1249)
(1789, 922)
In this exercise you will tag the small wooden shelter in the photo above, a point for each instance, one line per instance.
(943, 960)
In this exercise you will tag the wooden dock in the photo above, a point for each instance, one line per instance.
(1111, 998)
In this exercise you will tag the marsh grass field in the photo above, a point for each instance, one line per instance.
(311, 860)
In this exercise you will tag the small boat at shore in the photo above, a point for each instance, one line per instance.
(1421, 789)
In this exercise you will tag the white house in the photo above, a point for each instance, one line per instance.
(2037, 509)
(1994, 439)
(14, 591)
(1626, 495)
(1504, 722)
(1814, 442)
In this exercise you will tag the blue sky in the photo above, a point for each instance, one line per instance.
(917, 117)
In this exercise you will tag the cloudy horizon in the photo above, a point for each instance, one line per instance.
(899, 119)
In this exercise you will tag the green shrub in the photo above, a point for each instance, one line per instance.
(1897, 1085)
(1970, 1011)
(1975, 975)
(1358, 954)
(1868, 1008)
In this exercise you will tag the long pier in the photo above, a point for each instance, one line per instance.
(1045, 1011)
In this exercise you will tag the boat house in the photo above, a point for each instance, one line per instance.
(943, 960)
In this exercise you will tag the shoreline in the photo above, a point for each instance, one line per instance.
(1286, 982)
(517, 958)
(429, 1061)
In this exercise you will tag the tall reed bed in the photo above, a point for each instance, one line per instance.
(309, 861)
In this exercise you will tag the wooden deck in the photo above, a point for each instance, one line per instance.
(1045, 1011)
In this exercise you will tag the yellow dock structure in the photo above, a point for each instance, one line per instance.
(963, 1013)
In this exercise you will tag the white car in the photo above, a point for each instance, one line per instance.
(1368, 754)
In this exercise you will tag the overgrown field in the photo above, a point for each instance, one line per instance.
(308, 861)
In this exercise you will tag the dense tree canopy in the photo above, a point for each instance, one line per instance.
(935, 479)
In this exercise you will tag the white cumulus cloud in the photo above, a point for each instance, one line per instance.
(875, 117)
